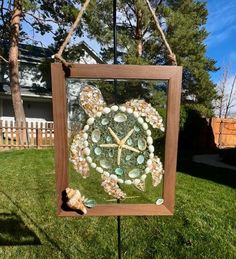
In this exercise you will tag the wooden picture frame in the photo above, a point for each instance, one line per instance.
(81, 71)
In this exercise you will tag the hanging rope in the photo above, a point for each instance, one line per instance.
(171, 54)
(58, 55)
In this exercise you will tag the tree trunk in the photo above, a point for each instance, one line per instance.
(14, 69)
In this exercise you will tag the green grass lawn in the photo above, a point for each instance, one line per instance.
(203, 225)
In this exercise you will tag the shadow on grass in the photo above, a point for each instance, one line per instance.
(15, 232)
(219, 175)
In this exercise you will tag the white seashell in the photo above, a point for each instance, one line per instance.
(89, 159)
(151, 148)
(148, 132)
(140, 120)
(159, 201)
(145, 125)
(106, 110)
(96, 135)
(147, 170)
(128, 182)
(149, 162)
(129, 110)
(99, 169)
(98, 114)
(106, 173)
(142, 144)
(90, 121)
(136, 181)
(122, 108)
(143, 177)
(120, 181)
(114, 108)
(87, 151)
(149, 140)
(120, 117)
(93, 165)
(151, 155)
(85, 136)
(134, 173)
(136, 115)
(114, 177)
(86, 143)
(105, 164)
(86, 127)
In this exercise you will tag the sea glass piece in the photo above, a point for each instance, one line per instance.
(105, 164)
(105, 121)
(134, 173)
(90, 203)
(136, 128)
(140, 159)
(142, 144)
(129, 142)
(96, 135)
(128, 157)
(120, 117)
(119, 171)
(108, 138)
(98, 151)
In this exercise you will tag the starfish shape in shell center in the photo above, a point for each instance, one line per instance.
(120, 144)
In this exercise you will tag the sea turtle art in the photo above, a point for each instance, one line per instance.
(117, 143)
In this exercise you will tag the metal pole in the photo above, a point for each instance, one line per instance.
(115, 93)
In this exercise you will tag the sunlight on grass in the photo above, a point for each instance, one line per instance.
(203, 225)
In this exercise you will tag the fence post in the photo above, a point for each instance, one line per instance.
(1, 133)
(38, 136)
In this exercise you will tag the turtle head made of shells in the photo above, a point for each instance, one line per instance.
(117, 142)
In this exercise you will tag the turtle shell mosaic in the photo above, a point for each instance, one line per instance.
(117, 143)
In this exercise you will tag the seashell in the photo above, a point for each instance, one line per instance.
(105, 164)
(128, 157)
(136, 114)
(134, 173)
(142, 144)
(151, 148)
(137, 129)
(149, 162)
(143, 177)
(106, 110)
(97, 151)
(145, 126)
(128, 182)
(129, 110)
(86, 127)
(159, 201)
(93, 165)
(105, 121)
(120, 181)
(140, 159)
(149, 140)
(122, 108)
(106, 174)
(75, 201)
(129, 142)
(85, 136)
(89, 159)
(87, 151)
(119, 171)
(148, 132)
(114, 108)
(112, 188)
(114, 177)
(151, 155)
(147, 170)
(136, 181)
(99, 170)
(89, 203)
(120, 117)
(86, 143)
(90, 121)
(140, 120)
(111, 153)
(96, 135)
(108, 138)
(98, 114)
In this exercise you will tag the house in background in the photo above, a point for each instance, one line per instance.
(35, 86)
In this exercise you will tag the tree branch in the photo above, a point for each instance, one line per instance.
(58, 55)
(171, 55)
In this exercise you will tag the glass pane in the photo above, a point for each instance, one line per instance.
(120, 151)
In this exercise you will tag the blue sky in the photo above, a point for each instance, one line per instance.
(221, 42)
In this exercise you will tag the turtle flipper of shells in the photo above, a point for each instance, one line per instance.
(112, 188)
(157, 171)
(91, 100)
(80, 164)
(145, 109)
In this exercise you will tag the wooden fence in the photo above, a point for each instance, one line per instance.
(38, 135)
(224, 131)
